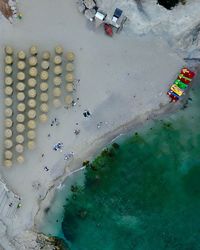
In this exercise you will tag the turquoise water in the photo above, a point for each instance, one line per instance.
(144, 195)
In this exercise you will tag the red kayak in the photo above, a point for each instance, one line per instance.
(108, 29)
(187, 73)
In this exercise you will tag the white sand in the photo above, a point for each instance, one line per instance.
(122, 79)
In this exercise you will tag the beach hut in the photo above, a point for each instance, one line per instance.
(33, 50)
(57, 70)
(9, 60)
(8, 50)
(56, 92)
(20, 96)
(8, 70)
(8, 80)
(8, 155)
(44, 97)
(59, 50)
(8, 143)
(20, 128)
(8, 133)
(31, 134)
(8, 123)
(8, 112)
(57, 81)
(31, 124)
(20, 159)
(21, 65)
(44, 108)
(56, 103)
(32, 61)
(32, 103)
(21, 107)
(57, 60)
(32, 93)
(43, 118)
(8, 101)
(43, 86)
(46, 55)
(33, 72)
(21, 55)
(45, 65)
(8, 90)
(31, 145)
(20, 76)
(20, 117)
(32, 82)
(19, 148)
(68, 100)
(19, 139)
(69, 87)
(20, 86)
(69, 77)
(8, 163)
(69, 67)
(70, 56)
(44, 75)
(31, 114)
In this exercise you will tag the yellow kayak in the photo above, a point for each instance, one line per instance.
(177, 90)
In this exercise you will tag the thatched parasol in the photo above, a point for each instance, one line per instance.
(57, 70)
(8, 80)
(57, 81)
(44, 75)
(31, 124)
(32, 93)
(20, 76)
(19, 139)
(21, 55)
(8, 50)
(8, 123)
(59, 50)
(33, 50)
(32, 61)
(45, 65)
(20, 117)
(21, 65)
(8, 143)
(20, 128)
(8, 101)
(32, 82)
(8, 133)
(57, 60)
(46, 55)
(31, 145)
(31, 114)
(44, 107)
(8, 70)
(20, 159)
(33, 72)
(43, 118)
(8, 60)
(56, 92)
(70, 56)
(21, 107)
(8, 155)
(8, 90)
(8, 163)
(69, 87)
(69, 77)
(20, 86)
(31, 134)
(32, 103)
(44, 97)
(20, 96)
(43, 86)
(8, 112)
(56, 103)
(68, 99)
(19, 148)
(70, 67)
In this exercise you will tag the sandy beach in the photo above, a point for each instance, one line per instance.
(122, 81)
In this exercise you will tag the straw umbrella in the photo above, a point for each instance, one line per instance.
(70, 67)
(8, 163)
(69, 87)
(20, 159)
(20, 117)
(21, 55)
(44, 107)
(32, 103)
(8, 80)
(31, 114)
(44, 86)
(69, 77)
(21, 107)
(8, 112)
(31, 134)
(43, 118)
(32, 82)
(31, 145)
(8, 123)
(20, 76)
(20, 128)
(57, 70)
(8, 155)
(57, 81)
(44, 97)
(8, 50)
(31, 124)
(33, 50)
(8, 70)
(20, 96)
(59, 50)
(44, 75)
(45, 65)
(20, 86)
(70, 56)
(32, 93)
(8, 90)
(21, 65)
(19, 139)
(57, 60)
(8, 133)
(68, 99)
(8, 101)
(9, 60)
(32, 61)
(56, 103)
(56, 92)
(8, 143)
(33, 72)
(46, 55)
(19, 148)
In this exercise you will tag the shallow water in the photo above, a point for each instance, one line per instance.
(144, 195)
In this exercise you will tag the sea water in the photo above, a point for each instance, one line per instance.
(144, 195)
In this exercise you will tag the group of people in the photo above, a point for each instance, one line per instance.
(9, 9)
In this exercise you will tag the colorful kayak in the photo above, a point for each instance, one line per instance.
(180, 84)
(174, 97)
(187, 73)
(177, 90)
(184, 79)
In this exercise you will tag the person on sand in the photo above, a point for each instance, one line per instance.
(5, 9)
